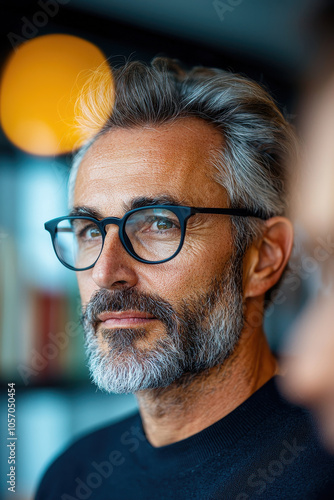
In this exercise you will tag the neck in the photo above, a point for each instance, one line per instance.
(194, 402)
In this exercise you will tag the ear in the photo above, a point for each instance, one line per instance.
(266, 259)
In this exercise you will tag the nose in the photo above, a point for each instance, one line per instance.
(115, 268)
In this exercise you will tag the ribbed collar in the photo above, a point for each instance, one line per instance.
(218, 437)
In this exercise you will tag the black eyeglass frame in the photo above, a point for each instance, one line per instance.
(183, 214)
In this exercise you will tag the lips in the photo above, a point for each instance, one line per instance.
(124, 318)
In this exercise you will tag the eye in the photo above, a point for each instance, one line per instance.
(153, 222)
(88, 233)
(92, 233)
(162, 224)
(159, 224)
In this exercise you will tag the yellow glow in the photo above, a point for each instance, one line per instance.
(39, 88)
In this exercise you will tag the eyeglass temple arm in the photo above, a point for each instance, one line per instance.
(240, 212)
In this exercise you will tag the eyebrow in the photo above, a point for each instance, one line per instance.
(138, 202)
(84, 210)
(147, 201)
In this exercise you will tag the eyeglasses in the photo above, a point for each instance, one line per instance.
(151, 234)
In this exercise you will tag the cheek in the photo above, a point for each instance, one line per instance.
(86, 286)
(192, 271)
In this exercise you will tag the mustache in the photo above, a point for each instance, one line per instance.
(105, 300)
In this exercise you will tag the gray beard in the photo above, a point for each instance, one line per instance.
(202, 334)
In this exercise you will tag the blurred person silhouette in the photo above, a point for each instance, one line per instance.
(308, 360)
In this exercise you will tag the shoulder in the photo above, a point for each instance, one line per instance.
(109, 443)
(101, 438)
(274, 412)
(267, 418)
(292, 435)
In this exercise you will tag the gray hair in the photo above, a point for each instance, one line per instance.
(258, 142)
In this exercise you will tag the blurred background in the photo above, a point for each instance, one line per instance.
(48, 49)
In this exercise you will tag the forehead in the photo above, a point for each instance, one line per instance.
(171, 159)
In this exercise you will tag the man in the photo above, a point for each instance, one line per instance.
(177, 234)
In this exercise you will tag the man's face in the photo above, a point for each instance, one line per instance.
(193, 303)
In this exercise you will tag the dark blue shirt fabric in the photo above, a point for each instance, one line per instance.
(264, 449)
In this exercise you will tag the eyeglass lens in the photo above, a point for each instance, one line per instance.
(154, 234)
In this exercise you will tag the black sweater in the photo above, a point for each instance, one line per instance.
(264, 449)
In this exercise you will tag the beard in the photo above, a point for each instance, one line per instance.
(201, 333)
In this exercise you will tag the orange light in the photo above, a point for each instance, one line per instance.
(39, 89)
